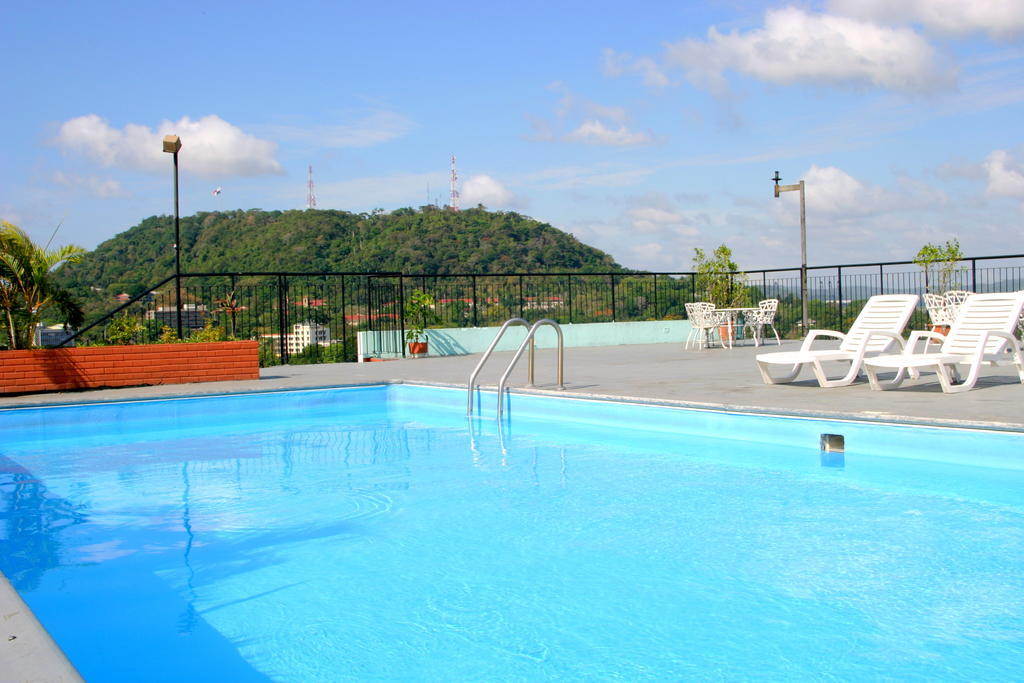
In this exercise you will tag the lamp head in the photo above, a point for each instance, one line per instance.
(172, 143)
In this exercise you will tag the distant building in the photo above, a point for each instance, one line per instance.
(123, 297)
(193, 316)
(54, 335)
(301, 336)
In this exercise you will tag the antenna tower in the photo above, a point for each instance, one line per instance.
(453, 204)
(311, 192)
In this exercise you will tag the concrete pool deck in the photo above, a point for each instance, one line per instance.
(710, 378)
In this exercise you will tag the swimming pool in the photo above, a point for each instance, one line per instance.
(375, 533)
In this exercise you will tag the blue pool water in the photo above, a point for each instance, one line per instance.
(376, 534)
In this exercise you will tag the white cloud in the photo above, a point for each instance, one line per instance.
(594, 132)
(795, 46)
(210, 146)
(1001, 19)
(1005, 175)
(617, 64)
(104, 188)
(571, 103)
(483, 189)
(576, 177)
(649, 219)
(374, 129)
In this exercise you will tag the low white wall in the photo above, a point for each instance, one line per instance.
(458, 341)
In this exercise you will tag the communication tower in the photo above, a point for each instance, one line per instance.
(311, 192)
(453, 204)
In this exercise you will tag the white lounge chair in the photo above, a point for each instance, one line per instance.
(876, 329)
(981, 334)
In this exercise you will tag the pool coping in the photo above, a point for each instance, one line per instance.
(32, 654)
(879, 417)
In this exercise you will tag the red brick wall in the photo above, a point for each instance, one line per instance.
(126, 366)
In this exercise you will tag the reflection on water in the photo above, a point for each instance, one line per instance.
(32, 520)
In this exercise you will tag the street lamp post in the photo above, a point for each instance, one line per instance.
(803, 244)
(172, 143)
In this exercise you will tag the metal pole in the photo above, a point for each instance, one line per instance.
(177, 251)
(803, 259)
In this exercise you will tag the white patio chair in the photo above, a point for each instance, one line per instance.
(702, 323)
(954, 299)
(981, 334)
(876, 329)
(757, 320)
(939, 314)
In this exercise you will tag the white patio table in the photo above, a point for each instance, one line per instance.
(731, 319)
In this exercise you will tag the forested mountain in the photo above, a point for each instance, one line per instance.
(428, 240)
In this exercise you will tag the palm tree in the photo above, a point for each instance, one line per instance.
(229, 305)
(27, 288)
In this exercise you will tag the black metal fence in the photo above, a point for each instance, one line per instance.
(314, 317)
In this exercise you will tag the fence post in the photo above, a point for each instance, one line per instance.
(881, 279)
(656, 297)
(401, 312)
(520, 296)
(840, 326)
(475, 323)
(282, 318)
(569, 291)
(613, 296)
(974, 275)
(344, 323)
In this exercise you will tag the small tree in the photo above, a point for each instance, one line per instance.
(939, 264)
(27, 288)
(718, 277)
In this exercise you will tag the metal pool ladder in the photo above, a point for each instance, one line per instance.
(529, 341)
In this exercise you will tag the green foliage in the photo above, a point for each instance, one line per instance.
(419, 313)
(123, 330)
(718, 277)
(210, 333)
(28, 288)
(939, 264)
(426, 240)
(168, 335)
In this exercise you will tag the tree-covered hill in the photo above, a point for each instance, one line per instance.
(428, 240)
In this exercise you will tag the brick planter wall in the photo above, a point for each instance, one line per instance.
(126, 366)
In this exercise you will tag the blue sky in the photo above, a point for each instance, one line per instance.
(644, 128)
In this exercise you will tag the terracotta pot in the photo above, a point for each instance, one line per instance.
(940, 329)
(418, 348)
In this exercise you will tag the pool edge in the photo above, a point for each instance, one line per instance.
(29, 652)
(874, 418)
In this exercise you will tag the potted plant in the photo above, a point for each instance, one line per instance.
(719, 279)
(939, 263)
(419, 312)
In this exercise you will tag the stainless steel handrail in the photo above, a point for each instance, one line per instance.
(487, 355)
(522, 347)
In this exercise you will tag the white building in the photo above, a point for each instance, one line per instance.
(301, 336)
